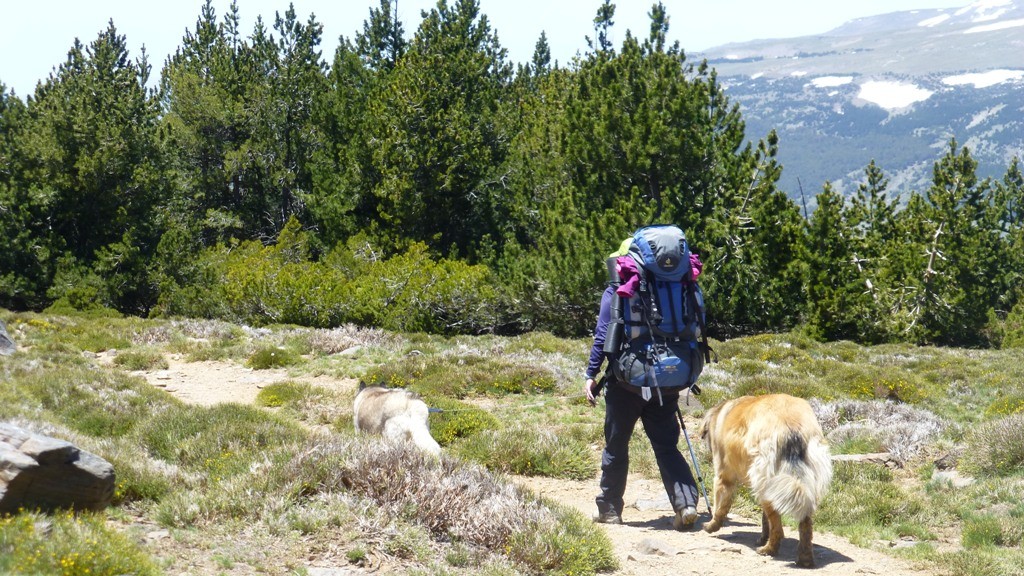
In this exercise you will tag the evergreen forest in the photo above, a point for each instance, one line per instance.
(420, 181)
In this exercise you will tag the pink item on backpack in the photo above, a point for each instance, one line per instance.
(626, 267)
(696, 266)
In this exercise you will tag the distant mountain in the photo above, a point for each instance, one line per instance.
(894, 88)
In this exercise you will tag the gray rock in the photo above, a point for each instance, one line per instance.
(655, 547)
(656, 502)
(316, 571)
(353, 352)
(953, 478)
(40, 472)
(7, 346)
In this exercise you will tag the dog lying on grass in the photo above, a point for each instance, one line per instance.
(395, 414)
(775, 445)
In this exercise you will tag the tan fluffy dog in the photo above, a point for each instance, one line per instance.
(396, 414)
(775, 445)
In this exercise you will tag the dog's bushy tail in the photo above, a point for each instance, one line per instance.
(792, 473)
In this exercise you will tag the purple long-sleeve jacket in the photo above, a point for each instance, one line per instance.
(600, 332)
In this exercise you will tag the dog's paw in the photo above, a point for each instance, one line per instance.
(767, 551)
(712, 526)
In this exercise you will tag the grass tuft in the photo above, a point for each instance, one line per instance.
(69, 544)
(995, 447)
(272, 357)
(141, 360)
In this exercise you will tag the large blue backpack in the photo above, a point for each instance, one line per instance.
(656, 339)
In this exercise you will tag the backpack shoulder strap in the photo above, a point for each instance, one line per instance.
(698, 307)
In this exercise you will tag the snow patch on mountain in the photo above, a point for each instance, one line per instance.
(931, 22)
(831, 81)
(892, 95)
(986, 10)
(997, 26)
(984, 115)
(984, 79)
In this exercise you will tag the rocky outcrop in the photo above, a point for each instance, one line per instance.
(44, 473)
(7, 346)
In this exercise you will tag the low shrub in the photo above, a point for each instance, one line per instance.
(141, 360)
(457, 375)
(530, 451)
(283, 393)
(219, 441)
(454, 420)
(69, 544)
(281, 284)
(272, 357)
(1005, 406)
(457, 502)
(995, 447)
(865, 496)
(981, 530)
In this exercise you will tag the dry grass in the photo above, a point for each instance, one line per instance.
(900, 429)
(996, 447)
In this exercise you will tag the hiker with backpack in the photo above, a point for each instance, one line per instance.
(650, 327)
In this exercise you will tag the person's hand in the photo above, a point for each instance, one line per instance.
(588, 389)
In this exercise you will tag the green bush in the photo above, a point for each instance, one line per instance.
(444, 375)
(1012, 328)
(282, 394)
(456, 420)
(281, 284)
(862, 442)
(574, 546)
(995, 447)
(1005, 406)
(71, 544)
(865, 496)
(220, 441)
(530, 451)
(981, 530)
(141, 360)
(271, 357)
(776, 384)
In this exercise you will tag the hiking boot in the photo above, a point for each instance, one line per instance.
(609, 517)
(685, 518)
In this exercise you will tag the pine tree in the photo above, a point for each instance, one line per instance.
(541, 61)
(1008, 205)
(659, 26)
(27, 260)
(92, 166)
(345, 176)
(382, 43)
(870, 220)
(242, 121)
(950, 276)
(835, 294)
(439, 142)
(205, 123)
(639, 136)
(602, 25)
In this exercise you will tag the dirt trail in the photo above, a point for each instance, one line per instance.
(645, 543)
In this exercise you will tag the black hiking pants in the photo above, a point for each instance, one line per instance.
(622, 409)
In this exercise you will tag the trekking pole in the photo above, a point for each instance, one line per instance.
(693, 457)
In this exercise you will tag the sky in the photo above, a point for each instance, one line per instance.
(35, 35)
